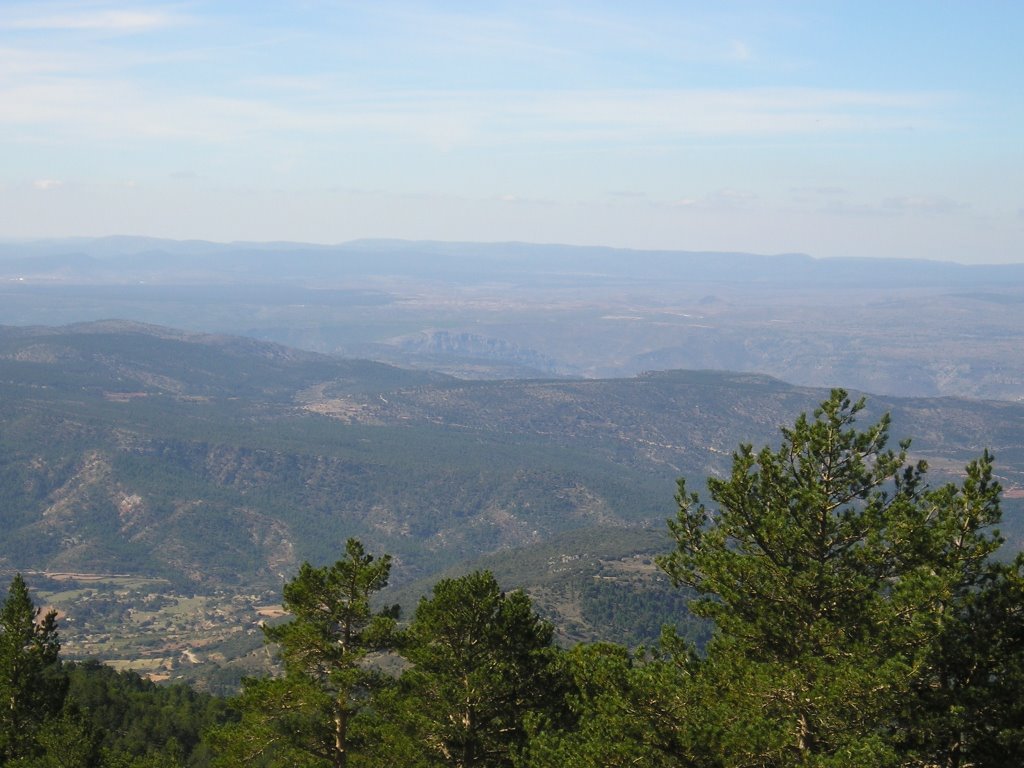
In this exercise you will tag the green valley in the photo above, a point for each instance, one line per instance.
(176, 479)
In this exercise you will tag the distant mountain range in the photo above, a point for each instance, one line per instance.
(513, 310)
(215, 460)
(124, 259)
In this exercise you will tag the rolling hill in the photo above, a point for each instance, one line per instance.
(214, 465)
(518, 310)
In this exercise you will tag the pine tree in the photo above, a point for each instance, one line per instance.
(624, 712)
(31, 686)
(833, 574)
(482, 659)
(310, 716)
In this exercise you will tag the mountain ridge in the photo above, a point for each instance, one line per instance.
(431, 467)
(138, 253)
(141, 466)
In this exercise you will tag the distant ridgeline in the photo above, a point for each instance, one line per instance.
(133, 259)
(503, 311)
(133, 449)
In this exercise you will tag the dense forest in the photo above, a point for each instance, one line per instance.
(840, 611)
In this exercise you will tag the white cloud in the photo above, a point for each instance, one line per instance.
(732, 195)
(45, 185)
(112, 20)
(461, 34)
(824, 191)
(845, 208)
(928, 205)
(108, 108)
(20, 63)
(291, 83)
(924, 204)
(740, 51)
(727, 198)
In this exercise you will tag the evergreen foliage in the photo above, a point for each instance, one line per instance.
(482, 660)
(635, 613)
(858, 618)
(138, 720)
(622, 708)
(314, 714)
(31, 688)
(841, 586)
(88, 715)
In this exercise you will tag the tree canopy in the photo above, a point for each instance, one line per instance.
(31, 690)
(310, 715)
(859, 618)
(859, 615)
(481, 661)
(836, 578)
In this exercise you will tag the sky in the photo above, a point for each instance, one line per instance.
(865, 129)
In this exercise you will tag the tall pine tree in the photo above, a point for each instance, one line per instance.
(311, 715)
(32, 687)
(834, 576)
(482, 660)
(859, 620)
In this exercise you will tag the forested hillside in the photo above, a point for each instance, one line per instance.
(131, 457)
(842, 610)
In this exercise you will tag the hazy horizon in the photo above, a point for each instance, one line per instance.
(129, 241)
(847, 130)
